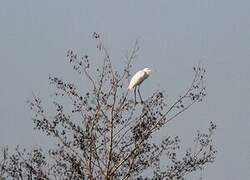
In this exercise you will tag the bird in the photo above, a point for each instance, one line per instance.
(137, 79)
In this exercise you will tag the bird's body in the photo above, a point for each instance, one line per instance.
(137, 79)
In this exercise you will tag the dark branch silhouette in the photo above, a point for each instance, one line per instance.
(104, 134)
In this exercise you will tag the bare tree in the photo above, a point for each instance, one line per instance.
(104, 134)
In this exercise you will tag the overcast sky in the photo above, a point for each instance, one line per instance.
(173, 36)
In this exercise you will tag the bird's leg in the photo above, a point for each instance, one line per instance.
(140, 94)
(135, 95)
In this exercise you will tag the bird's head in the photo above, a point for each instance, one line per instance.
(147, 70)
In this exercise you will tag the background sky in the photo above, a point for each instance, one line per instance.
(173, 36)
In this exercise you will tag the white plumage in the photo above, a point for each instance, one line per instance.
(137, 79)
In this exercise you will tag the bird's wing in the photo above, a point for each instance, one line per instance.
(137, 79)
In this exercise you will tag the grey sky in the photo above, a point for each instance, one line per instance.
(173, 36)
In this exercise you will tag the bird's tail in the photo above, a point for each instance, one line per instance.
(130, 87)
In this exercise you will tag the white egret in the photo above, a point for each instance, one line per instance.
(137, 79)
